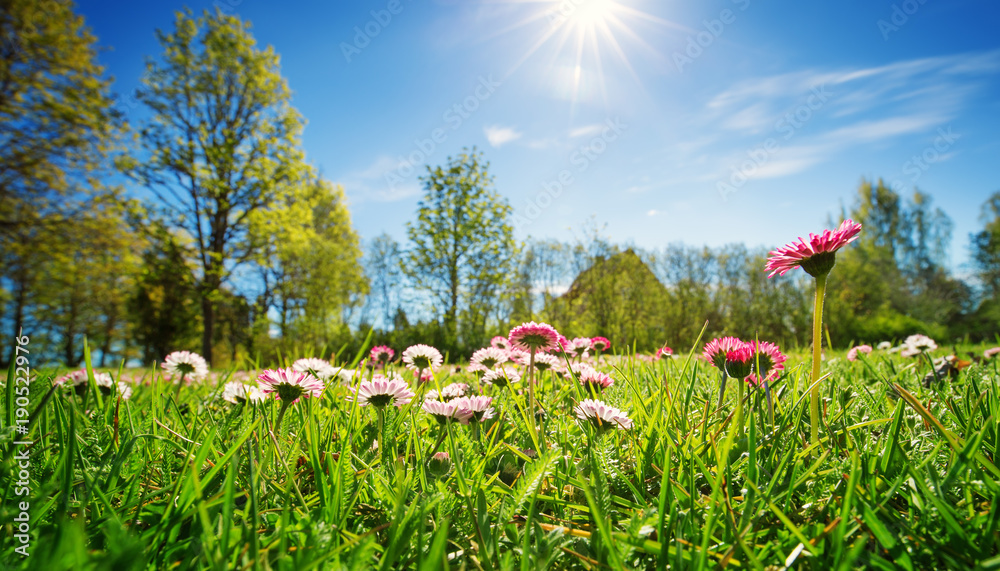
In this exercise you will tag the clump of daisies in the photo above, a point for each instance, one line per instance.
(185, 367)
(77, 380)
(715, 353)
(239, 393)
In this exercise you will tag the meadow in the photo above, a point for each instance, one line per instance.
(192, 475)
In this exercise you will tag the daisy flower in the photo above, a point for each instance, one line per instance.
(717, 349)
(488, 358)
(477, 408)
(519, 357)
(382, 354)
(545, 361)
(239, 393)
(739, 362)
(663, 353)
(595, 380)
(445, 411)
(500, 342)
(382, 391)
(449, 392)
(602, 415)
(990, 353)
(852, 355)
(884, 346)
(917, 344)
(420, 357)
(579, 347)
(815, 257)
(439, 464)
(289, 384)
(186, 366)
(533, 336)
(599, 344)
(502, 376)
(424, 375)
(767, 359)
(318, 368)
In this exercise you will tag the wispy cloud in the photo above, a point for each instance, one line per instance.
(378, 182)
(499, 136)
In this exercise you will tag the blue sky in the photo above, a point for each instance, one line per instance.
(707, 123)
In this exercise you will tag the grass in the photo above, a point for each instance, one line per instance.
(903, 478)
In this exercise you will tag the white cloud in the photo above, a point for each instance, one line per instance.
(587, 130)
(499, 136)
(382, 181)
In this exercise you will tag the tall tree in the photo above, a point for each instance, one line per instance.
(310, 259)
(986, 248)
(382, 266)
(57, 134)
(463, 243)
(222, 142)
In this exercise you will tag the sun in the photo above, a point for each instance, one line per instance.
(585, 13)
(585, 39)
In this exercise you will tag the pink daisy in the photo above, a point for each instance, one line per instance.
(381, 354)
(533, 336)
(599, 344)
(990, 353)
(852, 355)
(603, 416)
(768, 357)
(449, 392)
(579, 347)
(488, 358)
(664, 353)
(739, 362)
(444, 411)
(382, 391)
(477, 409)
(816, 257)
(716, 350)
(186, 366)
(545, 361)
(500, 342)
(418, 357)
(502, 376)
(595, 380)
(289, 384)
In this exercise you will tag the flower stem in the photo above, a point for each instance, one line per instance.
(817, 357)
(281, 415)
(722, 387)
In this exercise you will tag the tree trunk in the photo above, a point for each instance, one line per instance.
(208, 319)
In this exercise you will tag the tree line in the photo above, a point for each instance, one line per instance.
(199, 224)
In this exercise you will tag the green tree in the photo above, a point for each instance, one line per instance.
(222, 142)
(463, 246)
(57, 134)
(163, 307)
(310, 260)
